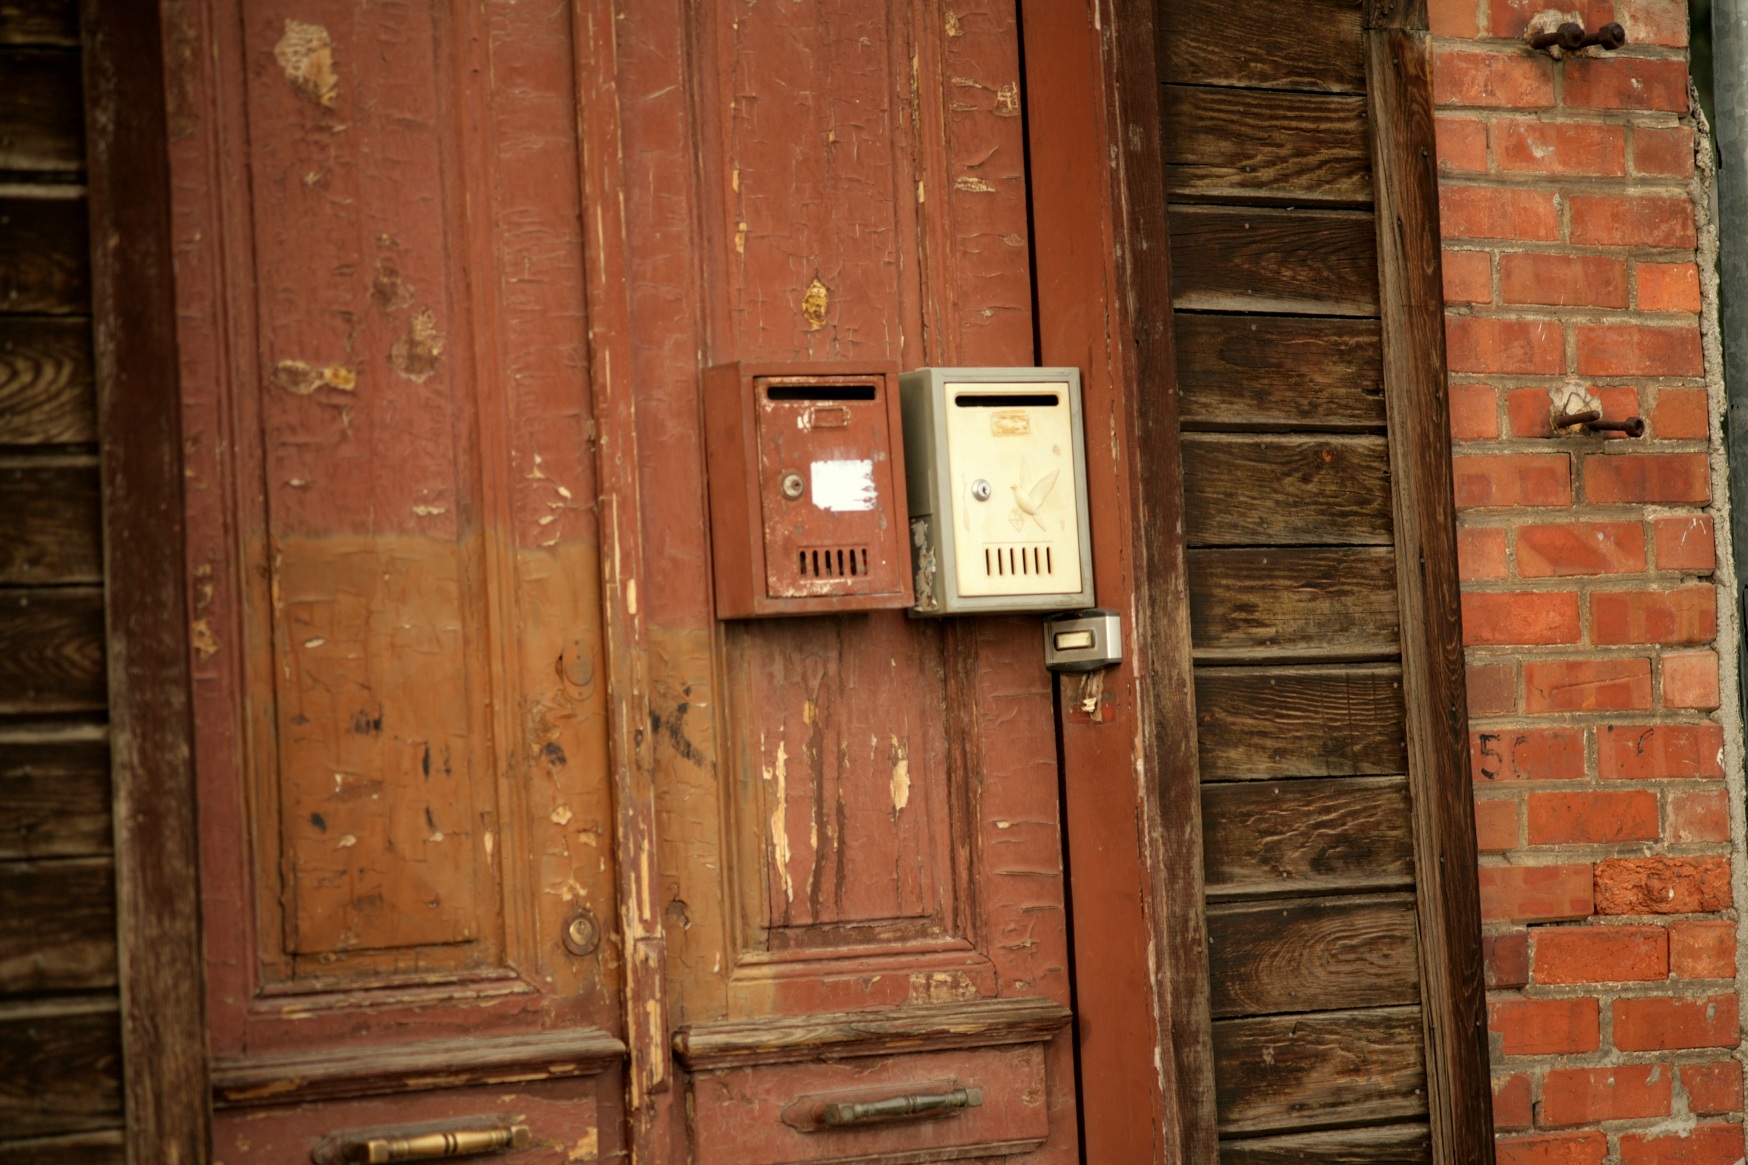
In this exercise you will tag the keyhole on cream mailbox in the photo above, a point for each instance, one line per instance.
(980, 490)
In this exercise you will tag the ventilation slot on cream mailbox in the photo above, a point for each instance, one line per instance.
(997, 484)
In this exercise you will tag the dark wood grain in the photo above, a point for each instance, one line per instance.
(44, 255)
(54, 792)
(1297, 604)
(1399, 73)
(133, 305)
(1242, 490)
(1261, 147)
(1309, 262)
(42, 112)
(51, 521)
(1254, 723)
(47, 396)
(1321, 954)
(1279, 372)
(1379, 1145)
(60, 926)
(100, 1148)
(1288, 44)
(1305, 837)
(60, 1067)
(1276, 1073)
(39, 22)
(51, 650)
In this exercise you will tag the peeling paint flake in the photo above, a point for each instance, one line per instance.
(306, 55)
(301, 379)
(814, 303)
(414, 355)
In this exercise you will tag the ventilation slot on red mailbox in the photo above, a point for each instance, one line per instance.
(833, 561)
(1017, 561)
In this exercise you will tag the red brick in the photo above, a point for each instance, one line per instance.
(1521, 347)
(1492, 688)
(1509, 79)
(1662, 885)
(1703, 950)
(1454, 17)
(1523, 145)
(1690, 680)
(1630, 350)
(1544, 1027)
(1710, 1088)
(1601, 954)
(1653, 751)
(1586, 685)
(1667, 287)
(1593, 817)
(1495, 826)
(1683, 615)
(1462, 144)
(1586, 1148)
(1563, 280)
(1513, 479)
(1582, 1096)
(1505, 958)
(1511, 1101)
(1481, 553)
(1468, 277)
(1681, 414)
(1520, 617)
(1655, 22)
(1697, 817)
(1626, 83)
(1580, 548)
(1535, 893)
(1474, 412)
(1656, 1025)
(1510, 18)
(1526, 754)
(1667, 152)
(1494, 212)
(1704, 1145)
(1685, 543)
(1631, 221)
(1648, 477)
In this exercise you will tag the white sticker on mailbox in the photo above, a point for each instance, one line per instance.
(844, 485)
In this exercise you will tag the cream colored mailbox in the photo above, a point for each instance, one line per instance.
(996, 477)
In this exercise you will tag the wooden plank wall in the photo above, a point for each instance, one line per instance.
(60, 1059)
(1314, 988)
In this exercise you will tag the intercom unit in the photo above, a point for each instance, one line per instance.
(996, 473)
(807, 488)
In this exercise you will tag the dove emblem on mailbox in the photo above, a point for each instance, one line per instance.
(1028, 501)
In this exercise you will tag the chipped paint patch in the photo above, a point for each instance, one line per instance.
(414, 355)
(899, 757)
(1007, 100)
(306, 55)
(779, 772)
(301, 379)
(973, 185)
(205, 643)
(815, 301)
(587, 1148)
(561, 815)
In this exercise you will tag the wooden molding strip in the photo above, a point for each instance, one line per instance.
(329, 1074)
(922, 1028)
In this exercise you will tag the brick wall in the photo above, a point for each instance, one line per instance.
(1589, 607)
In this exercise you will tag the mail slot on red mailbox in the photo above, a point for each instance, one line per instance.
(807, 502)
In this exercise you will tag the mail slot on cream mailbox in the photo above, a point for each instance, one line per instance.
(997, 480)
(807, 488)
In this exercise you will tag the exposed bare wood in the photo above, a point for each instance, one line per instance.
(60, 925)
(1266, 148)
(51, 650)
(1318, 954)
(102, 1148)
(1310, 1071)
(1310, 44)
(60, 1067)
(1299, 722)
(1306, 837)
(1258, 372)
(1379, 1145)
(51, 521)
(1298, 604)
(54, 791)
(925, 1027)
(47, 396)
(303, 1077)
(1250, 490)
(45, 262)
(1262, 259)
(42, 112)
(40, 22)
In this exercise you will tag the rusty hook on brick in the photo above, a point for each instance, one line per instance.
(1631, 427)
(1610, 36)
(1568, 36)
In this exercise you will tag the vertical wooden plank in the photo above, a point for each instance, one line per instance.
(1399, 65)
(1165, 705)
(133, 300)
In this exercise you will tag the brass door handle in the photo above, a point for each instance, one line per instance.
(840, 1114)
(432, 1146)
